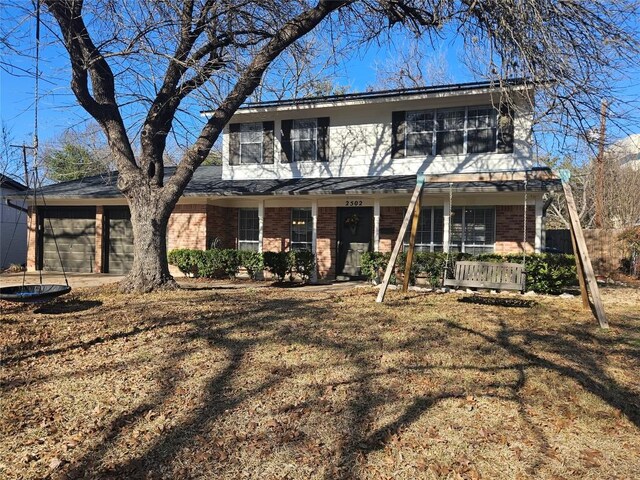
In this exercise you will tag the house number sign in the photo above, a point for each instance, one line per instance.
(355, 203)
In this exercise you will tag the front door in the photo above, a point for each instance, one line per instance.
(355, 231)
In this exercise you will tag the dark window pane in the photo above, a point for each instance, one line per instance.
(251, 153)
(450, 142)
(304, 150)
(301, 229)
(419, 143)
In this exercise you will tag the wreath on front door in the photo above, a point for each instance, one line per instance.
(352, 222)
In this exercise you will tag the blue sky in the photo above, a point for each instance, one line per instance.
(58, 110)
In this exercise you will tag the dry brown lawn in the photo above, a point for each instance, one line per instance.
(282, 383)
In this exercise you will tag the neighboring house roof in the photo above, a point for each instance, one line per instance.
(8, 182)
(207, 181)
(381, 95)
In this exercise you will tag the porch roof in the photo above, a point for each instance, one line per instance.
(207, 182)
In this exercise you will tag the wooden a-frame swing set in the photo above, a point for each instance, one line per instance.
(501, 278)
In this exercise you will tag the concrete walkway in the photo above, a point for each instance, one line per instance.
(79, 280)
(76, 280)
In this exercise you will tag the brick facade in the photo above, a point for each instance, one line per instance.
(222, 226)
(188, 227)
(97, 266)
(326, 242)
(390, 223)
(32, 239)
(509, 229)
(276, 234)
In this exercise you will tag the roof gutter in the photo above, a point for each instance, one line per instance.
(17, 207)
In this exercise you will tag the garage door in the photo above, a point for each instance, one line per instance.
(119, 240)
(73, 229)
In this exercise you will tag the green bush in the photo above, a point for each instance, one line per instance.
(278, 263)
(252, 261)
(374, 264)
(215, 263)
(546, 273)
(304, 263)
(227, 260)
(185, 259)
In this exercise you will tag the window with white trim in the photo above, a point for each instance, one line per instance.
(301, 229)
(251, 138)
(304, 140)
(473, 229)
(451, 131)
(481, 130)
(248, 229)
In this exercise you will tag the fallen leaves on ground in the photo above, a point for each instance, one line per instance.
(271, 383)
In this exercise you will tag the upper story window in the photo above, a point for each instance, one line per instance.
(305, 140)
(451, 132)
(250, 143)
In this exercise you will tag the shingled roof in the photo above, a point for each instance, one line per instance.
(207, 182)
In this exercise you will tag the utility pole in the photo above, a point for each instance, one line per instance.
(24, 161)
(600, 165)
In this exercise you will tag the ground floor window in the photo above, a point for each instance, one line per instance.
(248, 229)
(430, 234)
(301, 229)
(473, 229)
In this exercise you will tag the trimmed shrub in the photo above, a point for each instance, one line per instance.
(252, 261)
(304, 263)
(374, 264)
(186, 260)
(546, 273)
(215, 263)
(277, 263)
(228, 261)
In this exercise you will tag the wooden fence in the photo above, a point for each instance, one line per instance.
(605, 250)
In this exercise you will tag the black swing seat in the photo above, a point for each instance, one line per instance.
(33, 293)
(490, 275)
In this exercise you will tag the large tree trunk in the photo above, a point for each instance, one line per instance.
(149, 219)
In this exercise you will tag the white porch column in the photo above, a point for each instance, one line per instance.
(314, 238)
(538, 238)
(445, 234)
(260, 223)
(376, 225)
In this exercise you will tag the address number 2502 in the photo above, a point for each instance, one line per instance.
(353, 203)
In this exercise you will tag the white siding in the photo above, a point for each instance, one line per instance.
(360, 143)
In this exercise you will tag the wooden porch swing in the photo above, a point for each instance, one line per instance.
(501, 276)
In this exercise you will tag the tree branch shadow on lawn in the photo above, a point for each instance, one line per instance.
(266, 316)
(592, 378)
(163, 451)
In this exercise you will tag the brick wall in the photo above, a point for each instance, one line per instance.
(31, 235)
(390, 223)
(326, 242)
(188, 227)
(509, 228)
(97, 266)
(222, 224)
(276, 231)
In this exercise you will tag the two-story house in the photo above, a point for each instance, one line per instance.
(334, 175)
